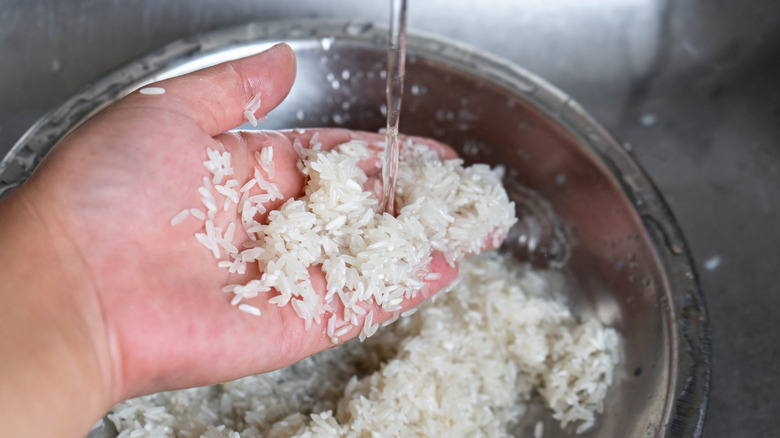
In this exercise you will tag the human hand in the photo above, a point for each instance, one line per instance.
(141, 298)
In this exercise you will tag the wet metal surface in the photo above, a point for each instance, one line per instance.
(690, 87)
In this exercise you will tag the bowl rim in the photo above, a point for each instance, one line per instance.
(690, 359)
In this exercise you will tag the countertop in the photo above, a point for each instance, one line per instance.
(691, 87)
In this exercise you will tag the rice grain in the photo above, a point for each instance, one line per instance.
(180, 217)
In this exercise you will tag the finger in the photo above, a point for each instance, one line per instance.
(215, 97)
(334, 329)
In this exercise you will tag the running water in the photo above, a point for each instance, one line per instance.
(396, 60)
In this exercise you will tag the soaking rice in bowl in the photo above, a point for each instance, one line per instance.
(465, 364)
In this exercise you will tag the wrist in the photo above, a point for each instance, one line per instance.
(54, 351)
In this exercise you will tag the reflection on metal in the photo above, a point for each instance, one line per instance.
(538, 236)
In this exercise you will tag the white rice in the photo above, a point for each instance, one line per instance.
(538, 429)
(265, 159)
(251, 108)
(367, 256)
(180, 217)
(249, 309)
(152, 91)
(466, 365)
(198, 213)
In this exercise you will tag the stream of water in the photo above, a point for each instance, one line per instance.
(396, 63)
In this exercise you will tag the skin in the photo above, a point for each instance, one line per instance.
(102, 299)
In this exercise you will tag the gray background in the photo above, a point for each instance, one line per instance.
(691, 85)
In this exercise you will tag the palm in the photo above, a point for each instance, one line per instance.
(158, 283)
(117, 183)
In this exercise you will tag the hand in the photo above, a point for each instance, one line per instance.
(119, 301)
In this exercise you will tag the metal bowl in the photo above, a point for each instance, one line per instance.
(586, 207)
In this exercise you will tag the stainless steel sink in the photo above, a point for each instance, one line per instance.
(690, 87)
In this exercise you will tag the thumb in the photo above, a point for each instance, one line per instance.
(215, 97)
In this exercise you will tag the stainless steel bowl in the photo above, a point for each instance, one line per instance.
(586, 207)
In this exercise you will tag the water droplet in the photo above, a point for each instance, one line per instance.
(712, 263)
(466, 115)
(524, 154)
(471, 148)
(345, 75)
(357, 28)
(299, 115)
(418, 89)
(326, 43)
(522, 239)
(560, 179)
(648, 120)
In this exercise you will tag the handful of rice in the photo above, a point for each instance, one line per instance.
(369, 258)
